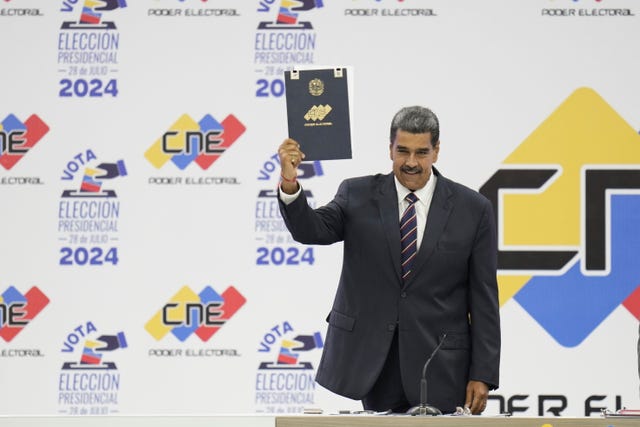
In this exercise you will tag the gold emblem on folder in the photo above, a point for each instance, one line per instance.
(316, 87)
(318, 112)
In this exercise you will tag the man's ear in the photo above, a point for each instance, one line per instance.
(436, 150)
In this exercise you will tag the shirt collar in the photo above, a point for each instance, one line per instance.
(423, 193)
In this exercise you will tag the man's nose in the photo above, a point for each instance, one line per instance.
(411, 160)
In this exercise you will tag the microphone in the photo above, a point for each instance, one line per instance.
(424, 408)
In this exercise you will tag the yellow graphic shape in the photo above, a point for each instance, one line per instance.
(318, 112)
(92, 344)
(156, 156)
(290, 3)
(90, 4)
(289, 344)
(157, 328)
(509, 286)
(583, 130)
(92, 171)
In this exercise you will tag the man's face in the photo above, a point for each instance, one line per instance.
(413, 155)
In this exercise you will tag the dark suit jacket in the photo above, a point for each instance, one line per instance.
(453, 289)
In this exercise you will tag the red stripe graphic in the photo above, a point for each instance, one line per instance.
(36, 301)
(233, 300)
(232, 131)
(35, 130)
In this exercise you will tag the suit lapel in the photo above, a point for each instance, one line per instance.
(387, 199)
(441, 206)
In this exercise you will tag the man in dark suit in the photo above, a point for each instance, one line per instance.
(389, 312)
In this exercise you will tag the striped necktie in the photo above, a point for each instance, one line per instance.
(408, 235)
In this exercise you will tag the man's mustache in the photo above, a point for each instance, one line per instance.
(407, 169)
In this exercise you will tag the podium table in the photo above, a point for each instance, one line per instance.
(448, 421)
(242, 420)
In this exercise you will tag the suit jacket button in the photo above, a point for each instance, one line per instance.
(391, 326)
(403, 295)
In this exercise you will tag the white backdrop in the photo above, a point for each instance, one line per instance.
(494, 71)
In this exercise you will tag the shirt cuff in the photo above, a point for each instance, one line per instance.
(289, 198)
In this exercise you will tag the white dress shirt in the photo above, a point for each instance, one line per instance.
(425, 195)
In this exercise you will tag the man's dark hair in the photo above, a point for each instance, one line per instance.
(415, 119)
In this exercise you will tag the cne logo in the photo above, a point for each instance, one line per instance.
(17, 138)
(567, 203)
(17, 310)
(189, 141)
(190, 313)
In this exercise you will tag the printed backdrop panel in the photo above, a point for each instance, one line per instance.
(144, 265)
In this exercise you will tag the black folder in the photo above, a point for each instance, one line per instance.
(318, 112)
